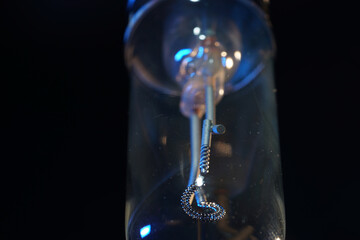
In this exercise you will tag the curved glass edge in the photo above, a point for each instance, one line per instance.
(147, 6)
(134, 5)
(138, 8)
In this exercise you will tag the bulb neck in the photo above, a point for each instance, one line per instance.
(134, 5)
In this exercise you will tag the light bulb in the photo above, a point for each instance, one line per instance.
(199, 67)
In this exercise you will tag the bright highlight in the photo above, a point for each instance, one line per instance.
(202, 37)
(144, 231)
(196, 30)
(182, 53)
(229, 63)
(237, 55)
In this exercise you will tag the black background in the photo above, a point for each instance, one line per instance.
(66, 95)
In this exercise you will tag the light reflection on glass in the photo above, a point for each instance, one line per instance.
(182, 53)
(202, 37)
(200, 52)
(237, 55)
(196, 30)
(229, 63)
(144, 231)
(221, 91)
(223, 61)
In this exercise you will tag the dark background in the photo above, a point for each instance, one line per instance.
(62, 167)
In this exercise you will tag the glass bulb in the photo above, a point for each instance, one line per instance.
(198, 68)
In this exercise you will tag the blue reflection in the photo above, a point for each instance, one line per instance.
(144, 231)
(181, 53)
(223, 61)
(200, 52)
(130, 4)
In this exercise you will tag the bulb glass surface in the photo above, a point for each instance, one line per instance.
(174, 50)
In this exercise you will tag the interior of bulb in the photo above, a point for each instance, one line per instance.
(203, 66)
(183, 49)
(201, 50)
(169, 41)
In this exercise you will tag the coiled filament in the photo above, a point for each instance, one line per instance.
(210, 212)
(204, 159)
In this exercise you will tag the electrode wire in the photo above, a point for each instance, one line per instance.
(194, 147)
(211, 211)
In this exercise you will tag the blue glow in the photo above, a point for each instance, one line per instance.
(135, 18)
(181, 53)
(201, 52)
(130, 4)
(144, 231)
(223, 61)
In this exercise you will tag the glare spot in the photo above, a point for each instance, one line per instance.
(229, 63)
(196, 30)
(202, 37)
(199, 181)
(194, 0)
(221, 92)
(144, 231)
(223, 54)
(237, 55)
(277, 238)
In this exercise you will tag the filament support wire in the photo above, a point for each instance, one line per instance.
(206, 211)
